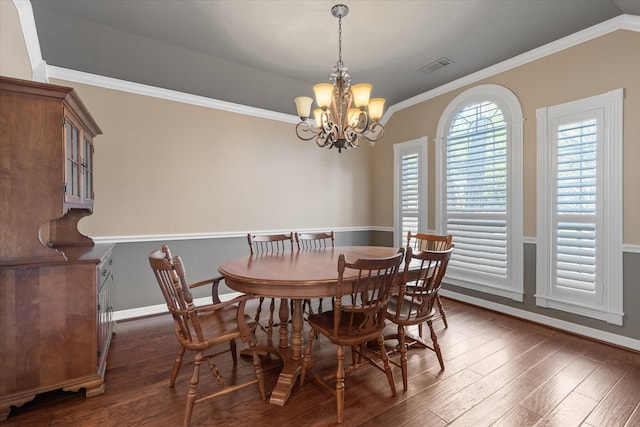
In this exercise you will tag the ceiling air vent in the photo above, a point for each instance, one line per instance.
(435, 65)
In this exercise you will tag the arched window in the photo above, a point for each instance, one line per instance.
(479, 189)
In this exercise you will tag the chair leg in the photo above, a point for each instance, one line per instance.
(272, 309)
(441, 309)
(191, 395)
(436, 346)
(257, 367)
(387, 366)
(340, 383)
(403, 356)
(356, 357)
(176, 366)
(234, 352)
(306, 303)
(259, 310)
(215, 372)
(307, 356)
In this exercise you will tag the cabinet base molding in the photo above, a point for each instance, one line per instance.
(94, 385)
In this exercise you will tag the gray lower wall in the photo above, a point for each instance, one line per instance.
(134, 283)
(135, 286)
(631, 296)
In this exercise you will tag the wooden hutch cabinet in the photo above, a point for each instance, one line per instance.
(55, 283)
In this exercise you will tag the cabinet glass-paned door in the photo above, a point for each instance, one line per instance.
(87, 169)
(72, 183)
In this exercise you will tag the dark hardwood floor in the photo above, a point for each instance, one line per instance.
(499, 371)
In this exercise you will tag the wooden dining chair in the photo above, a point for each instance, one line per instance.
(201, 328)
(310, 241)
(320, 240)
(414, 304)
(432, 242)
(269, 244)
(358, 316)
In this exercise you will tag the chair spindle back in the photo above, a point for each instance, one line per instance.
(315, 240)
(360, 304)
(270, 243)
(416, 299)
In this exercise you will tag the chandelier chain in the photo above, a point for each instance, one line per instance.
(340, 42)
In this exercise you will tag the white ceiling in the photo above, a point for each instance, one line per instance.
(263, 53)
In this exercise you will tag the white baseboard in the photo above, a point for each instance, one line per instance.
(132, 313)
(577, 329)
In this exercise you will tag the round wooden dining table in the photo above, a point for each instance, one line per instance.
(295, 275)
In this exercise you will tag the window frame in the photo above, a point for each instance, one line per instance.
(606, 302)
(513, 284)
(420, 147)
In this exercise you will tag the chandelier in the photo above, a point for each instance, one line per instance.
(345, 114)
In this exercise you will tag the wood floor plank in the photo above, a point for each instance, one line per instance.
(477, 392)
(572, 411)
(505, 354)
(427, 419)
(616, 407)
(552, 392)
(634, 419)
(548, 367)
(518, 416)
(493, 407)
(416, 407)
(498, 370)
(603, 378)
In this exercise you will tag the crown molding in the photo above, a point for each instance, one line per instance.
(42, 71)
(166, 94)
(30, 34)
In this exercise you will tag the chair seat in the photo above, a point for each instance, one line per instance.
(324, 323)
(407, 311)
(218, 327)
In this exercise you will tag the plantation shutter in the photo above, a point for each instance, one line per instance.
(576, 211)
(409, 194)
(476, 190)
(410, 188)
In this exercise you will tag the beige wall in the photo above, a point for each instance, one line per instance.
(163, 167)
(597, 66)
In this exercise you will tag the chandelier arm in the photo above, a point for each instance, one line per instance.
(322, 140)
(334, 133)
(362, 124)
(305, 131)
(374, 133)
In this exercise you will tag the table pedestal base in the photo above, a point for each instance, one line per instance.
(290, 355)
